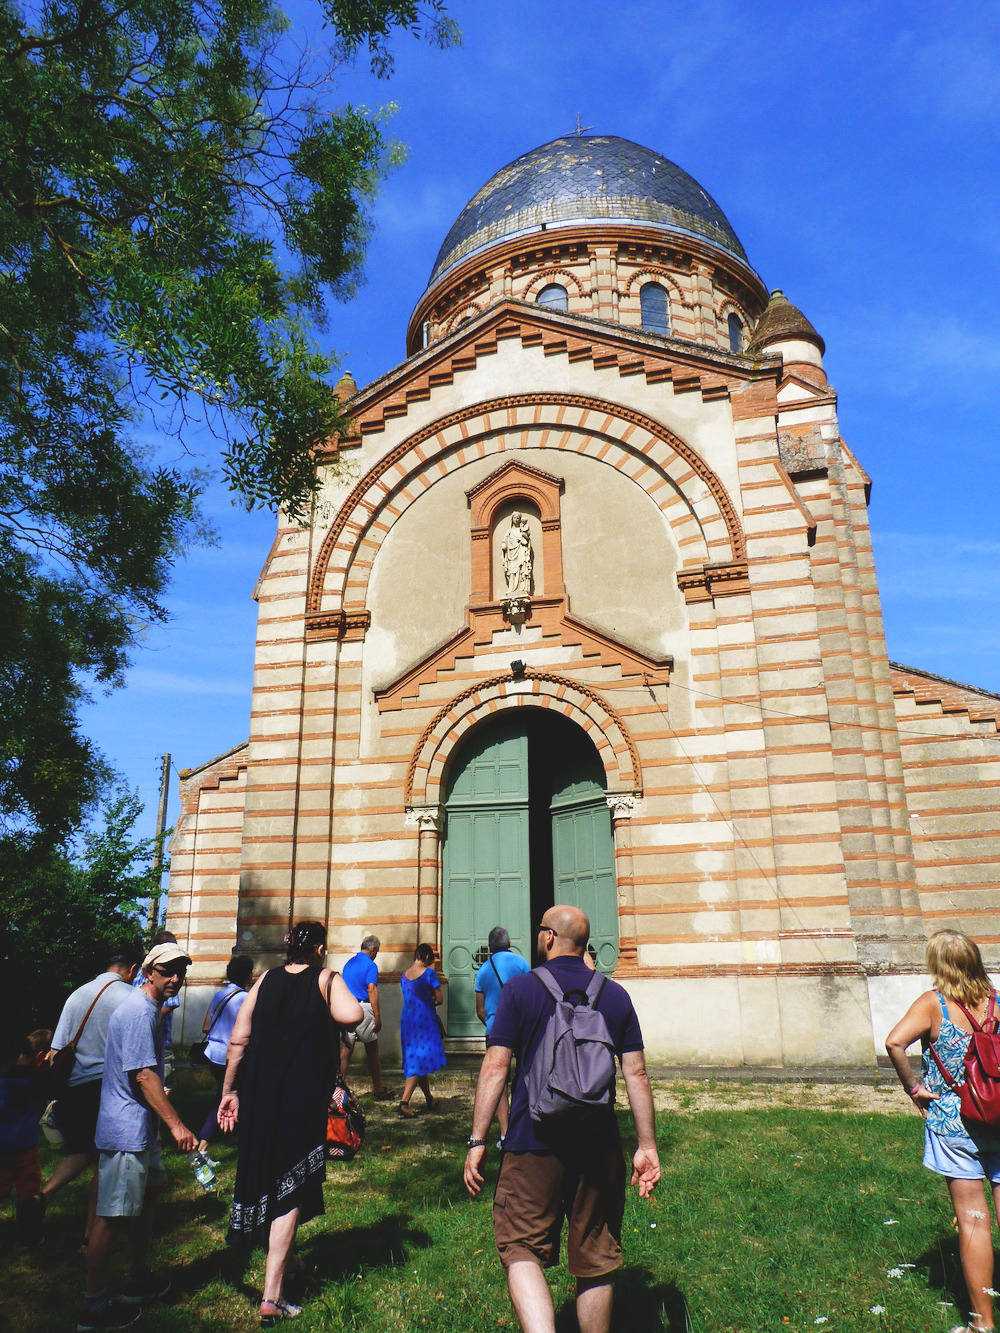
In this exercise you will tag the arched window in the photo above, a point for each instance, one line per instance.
(655, 308)
(554, 296)
(735, 333)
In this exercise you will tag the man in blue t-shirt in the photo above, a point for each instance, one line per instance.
(491, 978)
(361, 979)
(576, 1170)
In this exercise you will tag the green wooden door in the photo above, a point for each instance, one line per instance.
(485, 879)
(583, 854)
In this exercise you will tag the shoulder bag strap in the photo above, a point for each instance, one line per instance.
(86, 1017)
(495, 972)
(221, 1010)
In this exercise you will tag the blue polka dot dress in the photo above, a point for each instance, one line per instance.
(419, 1029)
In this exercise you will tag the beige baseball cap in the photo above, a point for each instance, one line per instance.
(163, 954)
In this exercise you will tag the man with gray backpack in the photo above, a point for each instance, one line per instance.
(562, 1153)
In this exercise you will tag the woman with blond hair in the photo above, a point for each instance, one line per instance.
(943, 1020)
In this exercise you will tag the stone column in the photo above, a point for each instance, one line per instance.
(427, 819)
(623, 805)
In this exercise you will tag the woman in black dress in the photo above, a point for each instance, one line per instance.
(285, 1047)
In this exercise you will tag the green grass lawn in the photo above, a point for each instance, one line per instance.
(771, 1218)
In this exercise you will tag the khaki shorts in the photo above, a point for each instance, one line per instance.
(123, 1179)
(536, 1191)
(365, 1031)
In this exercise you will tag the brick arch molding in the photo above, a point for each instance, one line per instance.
(641, 440)
(582, 705)
(661, 276)
(550, 275)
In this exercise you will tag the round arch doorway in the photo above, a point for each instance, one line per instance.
(527, 825)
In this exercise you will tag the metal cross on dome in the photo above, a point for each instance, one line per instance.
(581, 130)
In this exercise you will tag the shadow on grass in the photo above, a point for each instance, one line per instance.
(640, 1303)
(335, 1255)
(944, 1270)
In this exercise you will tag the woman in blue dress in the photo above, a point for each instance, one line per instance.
(943, 1020)
(420, 1028)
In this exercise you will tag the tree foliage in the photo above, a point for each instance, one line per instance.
(62, 914)
(179, 195)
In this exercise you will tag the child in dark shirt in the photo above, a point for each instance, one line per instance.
(21, 1088)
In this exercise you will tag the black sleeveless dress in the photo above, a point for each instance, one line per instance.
(285, 1083)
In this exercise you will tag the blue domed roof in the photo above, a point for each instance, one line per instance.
(595, 178)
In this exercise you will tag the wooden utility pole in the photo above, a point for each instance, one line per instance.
(161, 828)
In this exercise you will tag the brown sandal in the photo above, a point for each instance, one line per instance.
(406, 1111)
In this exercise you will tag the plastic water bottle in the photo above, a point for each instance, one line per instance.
(202, 1169)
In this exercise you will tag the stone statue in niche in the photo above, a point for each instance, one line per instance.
(517, 559)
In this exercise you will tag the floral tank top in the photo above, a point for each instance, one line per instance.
(944, 1115)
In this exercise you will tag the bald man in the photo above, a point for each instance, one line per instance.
(582, 1165)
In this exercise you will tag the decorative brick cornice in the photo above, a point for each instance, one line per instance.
(952, 697)
(349, 626)
(726, 579)
(690, 367)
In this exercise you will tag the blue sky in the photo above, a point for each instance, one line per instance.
(854, 148)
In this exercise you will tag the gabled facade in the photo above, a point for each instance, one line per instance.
(587, 612)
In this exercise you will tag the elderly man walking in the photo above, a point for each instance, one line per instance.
(361, 979)
(130, 1175)
(578, 1168)
(491, 978)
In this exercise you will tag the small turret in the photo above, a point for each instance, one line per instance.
(783, 328)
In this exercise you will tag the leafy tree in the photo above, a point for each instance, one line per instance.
(178, 196)
(63, 913)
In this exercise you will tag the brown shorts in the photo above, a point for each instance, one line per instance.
(536, 1191)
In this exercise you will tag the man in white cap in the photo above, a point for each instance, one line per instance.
(130, 1174)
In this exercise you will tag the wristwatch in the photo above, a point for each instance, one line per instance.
(476, 1143)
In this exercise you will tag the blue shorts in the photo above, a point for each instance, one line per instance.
(951, 1157)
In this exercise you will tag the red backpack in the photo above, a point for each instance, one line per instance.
(979, 1093)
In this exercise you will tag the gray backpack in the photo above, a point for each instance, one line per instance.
(573, 1072)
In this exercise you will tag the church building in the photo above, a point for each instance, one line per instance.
(586, 612)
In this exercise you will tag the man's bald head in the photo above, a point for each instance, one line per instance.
(571, 929)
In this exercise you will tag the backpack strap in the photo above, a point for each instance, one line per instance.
(549, 982)
(989, 1018)
(948, 1078)
(592, 992)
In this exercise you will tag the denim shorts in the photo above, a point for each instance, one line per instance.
(124, 1177)
(951, 1157)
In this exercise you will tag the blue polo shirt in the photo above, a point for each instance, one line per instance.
(489, 985)
(360, 972)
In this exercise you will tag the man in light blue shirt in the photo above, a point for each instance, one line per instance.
(130, 1175)
(86, 1015)
(498, 969)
